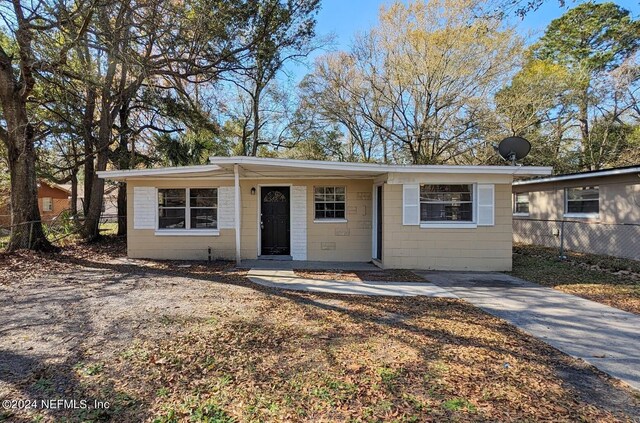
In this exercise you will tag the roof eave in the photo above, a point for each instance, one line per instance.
(383, 168)
(124, 174)
(612, 172)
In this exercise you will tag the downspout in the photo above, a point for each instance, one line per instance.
(236, 175)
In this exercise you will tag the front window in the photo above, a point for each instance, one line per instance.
(204, 208)
(446, 203)
(582, 200)
(329, 203)
(200, 212)
(521, 203)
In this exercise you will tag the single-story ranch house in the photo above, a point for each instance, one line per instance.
(595, 212)
(399, 216)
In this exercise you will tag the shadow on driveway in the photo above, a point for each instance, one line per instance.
(603, 336)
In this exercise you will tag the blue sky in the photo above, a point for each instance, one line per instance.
(345, 18)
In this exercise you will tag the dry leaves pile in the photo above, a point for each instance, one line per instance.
(328, 358)
(259, 354)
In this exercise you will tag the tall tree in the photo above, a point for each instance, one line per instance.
(422, 76)
(589, 40)
(151, 44)
(21, 62)
(283, 31)
(337, 93)
(538, 105)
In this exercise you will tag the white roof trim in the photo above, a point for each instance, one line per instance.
(382, 168)
(108, 174)
(347, 167)
(595, 174)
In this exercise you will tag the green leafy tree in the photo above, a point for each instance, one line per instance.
(283, 32)
(538, 105)
(23, 64)
(590, 41)
(419, 79)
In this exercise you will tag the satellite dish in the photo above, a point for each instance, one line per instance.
(513, 149)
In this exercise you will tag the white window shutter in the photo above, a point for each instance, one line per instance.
(144, 207)
(410, 204)
(226, 208)
(486, 205)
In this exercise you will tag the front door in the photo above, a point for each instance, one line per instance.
(274, 220)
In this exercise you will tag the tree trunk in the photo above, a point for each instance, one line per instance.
(585, 145)
(122, 208)
(91, 228)
(256, 120)
(27, 231)
(124, 162)
(89, 169)
(74, 193)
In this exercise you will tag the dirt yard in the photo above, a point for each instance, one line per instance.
(163, 342)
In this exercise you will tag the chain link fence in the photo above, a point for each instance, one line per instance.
(611, 239)
(57, 229)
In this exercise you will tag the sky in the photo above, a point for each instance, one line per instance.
(343, 19)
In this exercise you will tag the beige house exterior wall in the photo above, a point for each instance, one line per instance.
(344, 241)
(485, 248)
(619, 198)
(482, 248)
(143, 243)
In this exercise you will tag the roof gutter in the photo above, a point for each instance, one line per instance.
(611, 172)
(382, 168)
(123, 174)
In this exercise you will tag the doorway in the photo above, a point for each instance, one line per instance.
(378, 228)
(275, 221)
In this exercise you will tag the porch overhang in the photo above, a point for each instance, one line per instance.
(268, 168)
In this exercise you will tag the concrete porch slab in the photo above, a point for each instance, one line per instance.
(287, 279)
(308, 265)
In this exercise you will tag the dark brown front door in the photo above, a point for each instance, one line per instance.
(274, 220)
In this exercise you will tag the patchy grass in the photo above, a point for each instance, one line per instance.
(4, 239)
(108, 228)
(63, 237)
(166, 343)
(390, 275)
(607, 280)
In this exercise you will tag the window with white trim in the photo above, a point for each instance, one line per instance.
(446, 203)
(329, 203)
(47, 204)
(521, 203)
(582, 200)
(199, 212)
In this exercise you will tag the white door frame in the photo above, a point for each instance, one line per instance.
(375, 217)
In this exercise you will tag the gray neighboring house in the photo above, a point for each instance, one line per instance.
(595, 212)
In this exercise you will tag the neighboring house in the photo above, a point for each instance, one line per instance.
(53, 199)
(5, 210)
(109, 203)
(600, 210)
(423, 217)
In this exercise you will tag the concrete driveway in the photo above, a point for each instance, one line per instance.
(606, 337)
